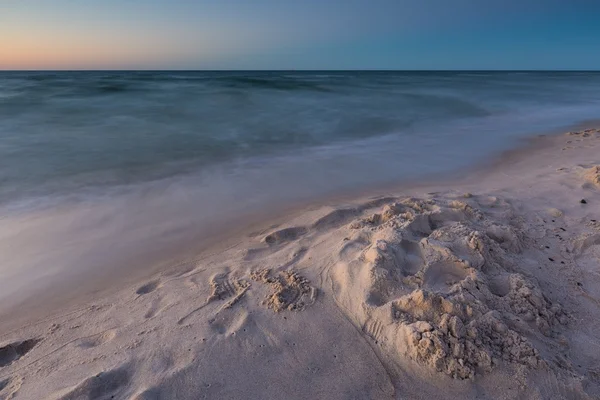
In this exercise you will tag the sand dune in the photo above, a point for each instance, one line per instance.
(484, 287)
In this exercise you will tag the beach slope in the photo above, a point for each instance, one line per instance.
(484, 287)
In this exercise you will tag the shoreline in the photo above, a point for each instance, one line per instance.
(351, 289)
(262, 220)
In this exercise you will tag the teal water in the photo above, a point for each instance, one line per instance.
(72, 136)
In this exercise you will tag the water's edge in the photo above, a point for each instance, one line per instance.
(85, 286)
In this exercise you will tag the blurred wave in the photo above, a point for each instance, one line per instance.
(63, 133)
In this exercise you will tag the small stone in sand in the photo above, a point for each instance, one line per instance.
(583, 201)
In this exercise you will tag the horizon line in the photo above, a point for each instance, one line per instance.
(297, 70)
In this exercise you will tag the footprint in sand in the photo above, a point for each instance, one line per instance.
(12, 352)
(295, 257)
(253, 254)
(336, 218)
(442, 275)
(147, 288)
(223, 287)
(500, 285)
(374, 329)
(228, 322)
(9, 387)
(353, 247)
(285, 235)
(97, 340)
(155, 308)
(290, 291)
(104, 385)
(148, 394)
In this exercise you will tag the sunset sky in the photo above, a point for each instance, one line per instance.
(299, 34)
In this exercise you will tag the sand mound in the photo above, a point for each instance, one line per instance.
(592, 175)
(440, 284)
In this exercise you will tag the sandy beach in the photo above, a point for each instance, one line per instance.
(486, 286)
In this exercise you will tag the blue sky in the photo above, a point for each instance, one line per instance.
(301, 34)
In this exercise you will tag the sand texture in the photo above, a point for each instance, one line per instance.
(484, 287)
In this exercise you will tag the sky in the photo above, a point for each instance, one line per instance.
(299, 34)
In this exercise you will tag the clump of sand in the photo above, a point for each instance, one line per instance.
(289, 290)
(440, 285)
(592, 175)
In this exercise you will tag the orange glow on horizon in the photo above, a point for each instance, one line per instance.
(55, 53)
(111, 49)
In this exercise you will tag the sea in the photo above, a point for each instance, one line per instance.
(100, 170)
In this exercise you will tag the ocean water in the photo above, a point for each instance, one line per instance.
(100, 170)
(80, 134)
